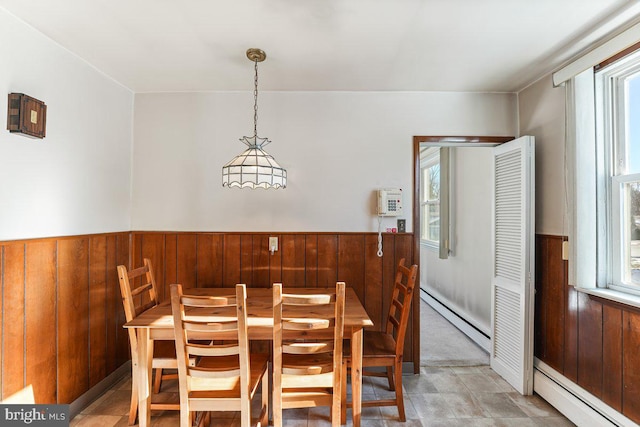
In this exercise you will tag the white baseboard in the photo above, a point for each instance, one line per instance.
(475, 335)
(574, 402)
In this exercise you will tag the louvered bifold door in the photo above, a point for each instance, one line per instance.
(513, 267)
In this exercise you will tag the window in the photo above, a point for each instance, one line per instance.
(602, 183)
(430, 197)
(617, 115)
(435, 223)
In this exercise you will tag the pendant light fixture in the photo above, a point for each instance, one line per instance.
(254, 168)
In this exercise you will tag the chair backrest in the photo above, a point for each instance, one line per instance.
(199, 322)
(308, 326)
(137, 298)
(400, 306)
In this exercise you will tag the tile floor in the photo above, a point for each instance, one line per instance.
(453, 396)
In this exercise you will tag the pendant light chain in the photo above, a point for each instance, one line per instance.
(255, 102)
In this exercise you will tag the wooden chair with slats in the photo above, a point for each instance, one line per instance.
(136, 299)
(307, 351)
(385, 348)
(213, 329)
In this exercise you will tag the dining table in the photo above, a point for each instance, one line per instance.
(157, 324)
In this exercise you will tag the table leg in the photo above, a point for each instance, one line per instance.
(356, 376)
(145, 356)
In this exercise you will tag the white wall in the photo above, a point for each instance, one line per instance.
(463, 281)
(77, 179)
(542, 114)
(337, 148)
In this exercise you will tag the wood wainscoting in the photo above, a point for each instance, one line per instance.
(62, 311)
(302, 260)
(591, 341)
(62, 314)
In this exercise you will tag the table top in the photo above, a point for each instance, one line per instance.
(259, 310)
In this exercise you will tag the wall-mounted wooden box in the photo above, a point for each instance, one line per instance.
(26, 115)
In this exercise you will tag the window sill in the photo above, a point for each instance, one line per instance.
(431, 246)
(616, 298)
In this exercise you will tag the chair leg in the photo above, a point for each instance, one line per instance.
(133, 408)
(343, 394)
(276, 403)
(264, 412)
(336, 420)
(336, 398)
(392, 384)
(399, 396)
(245, 411)
(157, 382)
(186, 417)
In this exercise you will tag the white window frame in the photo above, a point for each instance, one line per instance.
(584, 186)
(431, 158)
(443, 154)
(612, 158)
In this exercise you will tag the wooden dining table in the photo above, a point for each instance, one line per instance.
(157, 324)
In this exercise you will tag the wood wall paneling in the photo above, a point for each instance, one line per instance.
(40, 321)
(62, 314)
(97, 309)
(373, 274)
(293, 260)
(540, 318)
(152, 247)
(327, 260)
(217, 260)
(630, 370)
(592, 341)
(206, 272)
(590, 331)
(612, 352)
(13, 319)
(123, 256)
(73, 318)
(311, 260)
(246, 259)
(112, 305)
(403, 249)
(170, 262)
(351, 262)
(571, 334)
(260, 261)
(187, 260)
(389, 265)
(231, 260)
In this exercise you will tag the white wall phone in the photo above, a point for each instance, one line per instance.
(390, 202)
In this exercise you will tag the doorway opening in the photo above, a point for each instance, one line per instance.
(454, 251)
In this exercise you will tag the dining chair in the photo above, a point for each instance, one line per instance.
(307, 351)
(385, 348)
(139, 294)
(225, 377)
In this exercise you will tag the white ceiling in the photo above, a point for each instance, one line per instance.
(318, 45)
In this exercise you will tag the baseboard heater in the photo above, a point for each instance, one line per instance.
(475, 334)
(574, 402)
